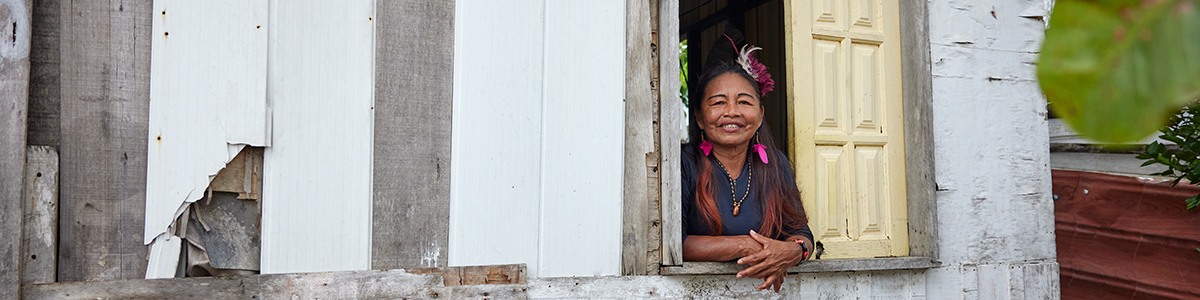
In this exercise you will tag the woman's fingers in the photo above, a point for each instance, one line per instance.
(761, 239)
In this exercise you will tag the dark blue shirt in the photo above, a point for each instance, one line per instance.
(750, 215)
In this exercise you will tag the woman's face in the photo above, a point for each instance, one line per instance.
(730, 113)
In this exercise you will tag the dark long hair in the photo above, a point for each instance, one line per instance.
(780, 201)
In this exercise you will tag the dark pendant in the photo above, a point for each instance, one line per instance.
(736, 210)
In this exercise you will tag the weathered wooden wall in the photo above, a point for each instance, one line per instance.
(414, 66)
(104, 84)
(39, 201)
(15, 38)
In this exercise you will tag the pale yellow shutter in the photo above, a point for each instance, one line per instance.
(848, 126)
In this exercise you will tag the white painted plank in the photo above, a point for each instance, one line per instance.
(208, 71)
(583, 139)
(164, 257)
(496, 143)
(317, 171)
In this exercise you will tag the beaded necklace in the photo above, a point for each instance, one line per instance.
(737, 204)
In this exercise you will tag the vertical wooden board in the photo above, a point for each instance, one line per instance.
(105, 71)
(15, 40)
(317, 171)
(917, 87)
(208, 71)
(414, 74)
(638, 134)
(497, 141)
(669, 123)
(39, 231)
(44, 122)
(583, 136)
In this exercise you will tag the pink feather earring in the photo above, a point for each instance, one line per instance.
(704, 144)
(762, 150)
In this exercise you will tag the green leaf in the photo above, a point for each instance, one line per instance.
(1116, 70)
(1148, 162)
(1154, 148)
(1172, 138)
(1192, 202)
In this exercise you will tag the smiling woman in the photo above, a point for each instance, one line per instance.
(754, 216)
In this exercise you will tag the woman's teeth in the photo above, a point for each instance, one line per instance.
(731, 126)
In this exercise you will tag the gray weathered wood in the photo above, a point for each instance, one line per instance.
(43, 75)
(105, 87)
(477, 275)
(329, 285)
(669, 123)
(918, 129)
(15, 39)
(414, 51)
(639, 136)
(39, 233)
(814, 266)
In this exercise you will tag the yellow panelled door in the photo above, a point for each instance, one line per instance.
(847, 124)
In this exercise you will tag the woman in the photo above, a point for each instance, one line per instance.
(740, 200)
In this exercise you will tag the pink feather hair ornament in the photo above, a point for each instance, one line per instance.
(757, 70)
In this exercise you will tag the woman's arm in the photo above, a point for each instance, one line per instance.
(719, 248)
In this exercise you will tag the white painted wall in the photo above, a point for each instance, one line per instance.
(538, 135)
(317, 171)
(995, 213)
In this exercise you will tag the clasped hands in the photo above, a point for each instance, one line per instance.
(771, 261)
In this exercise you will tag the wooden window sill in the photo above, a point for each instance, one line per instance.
(812, 266)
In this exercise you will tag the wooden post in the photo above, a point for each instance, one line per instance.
(15, 37)
(669, 123)
(39, 241)
(414, 75)
(105, 88)
(639, 136)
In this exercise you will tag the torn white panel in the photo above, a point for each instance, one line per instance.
(164, 256)
(207, 98)
(317, 172)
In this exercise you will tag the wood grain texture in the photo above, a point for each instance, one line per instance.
(639, 136)
(669, 122)
(917, 89)
(1125, 236)
(414, 47)
(813, 266)
(44, 86)
(39, 200)
(15, 39)
(330, 285)
(478, 275)
(105, 72)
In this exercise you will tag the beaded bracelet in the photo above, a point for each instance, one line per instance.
(803, 247)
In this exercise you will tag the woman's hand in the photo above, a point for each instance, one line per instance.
(772, 262)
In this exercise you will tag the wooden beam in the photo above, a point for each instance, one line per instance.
(39, 233)
(15, 38)
(44, 57)
(394, 284)
(414, 65)
(105, 87)
(918, 129)
(813, 266)
(478, 275)
(669, 123)
(639, 136)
